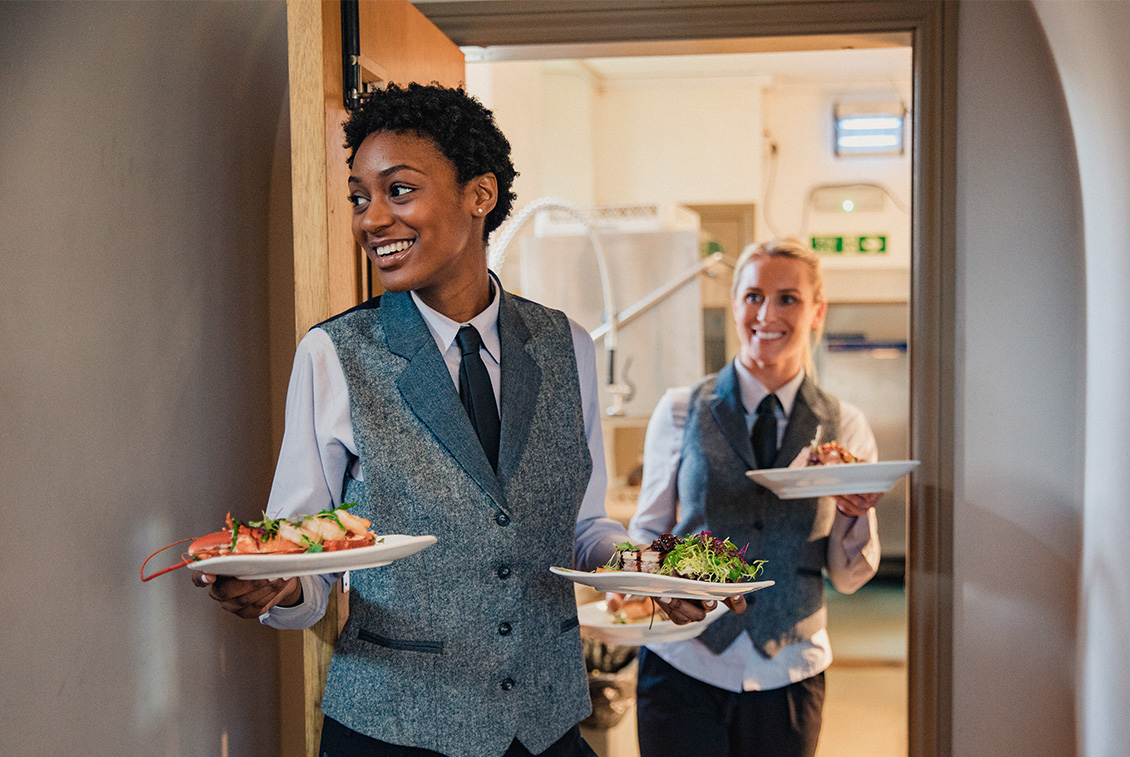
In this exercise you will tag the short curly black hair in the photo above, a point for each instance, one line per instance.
(461, 126)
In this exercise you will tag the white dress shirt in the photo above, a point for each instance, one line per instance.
(853, 546)
(318, 446)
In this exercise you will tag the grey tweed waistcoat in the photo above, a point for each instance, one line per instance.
(472, 642)
(792, 535)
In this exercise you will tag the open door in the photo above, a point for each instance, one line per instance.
(398, 44)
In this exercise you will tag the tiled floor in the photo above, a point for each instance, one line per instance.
(865, 710)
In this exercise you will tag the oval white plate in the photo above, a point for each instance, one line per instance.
(597, 623)
(655, 585)
(388, 548)
(830, 480)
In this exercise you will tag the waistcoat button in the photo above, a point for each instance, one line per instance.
(504, 571)
(502, 519)
(507, 684)
(503, 629)
(759, 525)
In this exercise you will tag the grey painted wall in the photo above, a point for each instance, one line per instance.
(136, 149)
(1088, 40)
(1019, 407)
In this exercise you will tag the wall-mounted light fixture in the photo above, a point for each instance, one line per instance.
(847, 198)
(869, 128)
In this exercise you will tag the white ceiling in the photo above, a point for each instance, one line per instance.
(826, 59)
(893, 63)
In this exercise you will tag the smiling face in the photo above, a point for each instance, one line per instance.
(422, 230)
(775, 310)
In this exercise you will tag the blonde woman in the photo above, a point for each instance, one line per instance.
(753, 684)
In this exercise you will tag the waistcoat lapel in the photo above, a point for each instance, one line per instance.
(726, 406)
(521, 380)
(426, 386)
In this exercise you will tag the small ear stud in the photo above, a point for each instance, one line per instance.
(479, 211)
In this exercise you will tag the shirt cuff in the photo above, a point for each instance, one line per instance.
(853, 551)
(315, 596)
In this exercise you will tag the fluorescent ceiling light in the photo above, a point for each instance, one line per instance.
(853, 123)
(868, 140)
(869, 128)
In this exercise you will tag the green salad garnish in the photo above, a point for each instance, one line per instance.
(700, 557)
(705, 558)
(270, 527)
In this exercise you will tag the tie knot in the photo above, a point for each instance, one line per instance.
(469, 340)
(768, 405)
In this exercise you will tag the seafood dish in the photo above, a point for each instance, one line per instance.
(327, 531)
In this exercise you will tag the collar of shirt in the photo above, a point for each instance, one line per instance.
(486, 323)
(753, 392)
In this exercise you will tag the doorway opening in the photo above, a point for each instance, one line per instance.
(682, 150)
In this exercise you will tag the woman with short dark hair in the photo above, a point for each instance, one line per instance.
(445, 406)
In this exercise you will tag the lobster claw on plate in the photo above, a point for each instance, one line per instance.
(327, 531)
(185, 559)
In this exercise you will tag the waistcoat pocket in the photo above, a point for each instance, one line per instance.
(404, 645)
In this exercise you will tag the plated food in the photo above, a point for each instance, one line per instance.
(632, 609)
(698, 557)
(832, 480)
(828, 453)
(830, 470)
(656, 585)
(327, 531)
(697, 566)
(605, 626)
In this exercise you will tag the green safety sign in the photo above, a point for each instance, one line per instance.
(873, 244)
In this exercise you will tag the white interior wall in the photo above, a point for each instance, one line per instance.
(798, 123)
(513, 90)
(692, 140)
(537, 104)
(1088, 41)
(593, 141)
(567, 122)
(1018, 408)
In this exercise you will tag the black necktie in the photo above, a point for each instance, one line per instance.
(764, 436)
(477, 394)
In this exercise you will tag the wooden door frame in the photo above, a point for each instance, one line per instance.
(932, 25)
(398, 44)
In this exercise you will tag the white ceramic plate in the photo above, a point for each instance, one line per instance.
(830, 480)
(388, 548)
(655, 585)
(597, 623)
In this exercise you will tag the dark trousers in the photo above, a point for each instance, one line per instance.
(339, 741)
(680, 716)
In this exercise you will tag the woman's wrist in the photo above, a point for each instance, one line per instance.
(294, 597)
